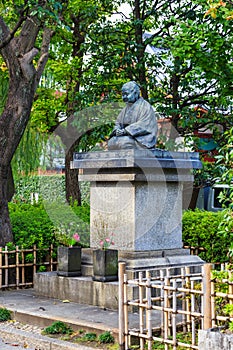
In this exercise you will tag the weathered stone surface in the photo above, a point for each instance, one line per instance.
(136, 158)
(138, 194)
(213, 339)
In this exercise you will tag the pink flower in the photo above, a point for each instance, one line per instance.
(107, 240)
(76, 237)
(101, 243)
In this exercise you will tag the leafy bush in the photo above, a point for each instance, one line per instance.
(36, 224)
(201, 229)
(73, 217)
(31, 225)
(5, 315)
(58, 327)
(89, 337)
(106, 338)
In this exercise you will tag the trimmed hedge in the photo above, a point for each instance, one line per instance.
(200, 229)
(35, 224)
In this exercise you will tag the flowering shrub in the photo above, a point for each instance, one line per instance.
(67, 236)
(103, 234)
(106, 242)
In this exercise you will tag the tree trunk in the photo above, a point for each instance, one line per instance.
(5, 226)
(18, 55)
(73, 192)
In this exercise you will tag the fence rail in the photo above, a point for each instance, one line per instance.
(172, 305)
(18, 266)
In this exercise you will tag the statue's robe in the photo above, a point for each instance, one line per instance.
(139, 121)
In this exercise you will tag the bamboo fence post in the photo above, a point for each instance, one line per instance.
(230, 286)
(51, 257)
(202, 300)
(148, 310)
(6, 267)
(212, 301)
(162, 300)
(141, 310)
(207, 295)
(17, 267)
(0, 267)
(187, 282)
(34, 261)
(174, 312)
(183, 300)
(192, 316)
(169, 303)
(126, 312)
(121, 306)
(166, 283)
(23, 266)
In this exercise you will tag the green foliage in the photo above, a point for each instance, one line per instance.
(225, 162)
(5, 314)
(106, 338)
(223, 307)
(89, 337)
(74, 218)
(201, 229)
(42, 268)
(31, 225)
(58, 327)
(206, 175)
(36, 224)
(49, 187)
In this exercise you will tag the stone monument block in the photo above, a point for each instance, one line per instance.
(138, 193)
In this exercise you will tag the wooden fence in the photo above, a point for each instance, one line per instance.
(17, 267)
(172, 305)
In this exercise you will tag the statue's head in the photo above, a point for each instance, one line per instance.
(130, 92)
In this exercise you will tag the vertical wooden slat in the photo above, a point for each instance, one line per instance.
(212, 301)
(148, 310)
(0, 267)
(169, 304)
(202, 300)
(230, 286)
(207, 295)
(121, 269)
(174, 312)
(188, 308)
(126, 312)
(6, 267)
(183, 300)
(193, 317)
(141, 310)
(162, 300)
(51, 257)
(34, 261)
(23, 266)
(17, 266)
(166, 325)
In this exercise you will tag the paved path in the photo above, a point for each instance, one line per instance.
(11, 346)
(38, 312)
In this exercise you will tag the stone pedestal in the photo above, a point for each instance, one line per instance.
(138, 194)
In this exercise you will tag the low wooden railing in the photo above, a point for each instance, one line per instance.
(17, 267)
(171, 304)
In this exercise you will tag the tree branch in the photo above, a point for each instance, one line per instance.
(47, 34)
(9, 35)
(26, 64)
